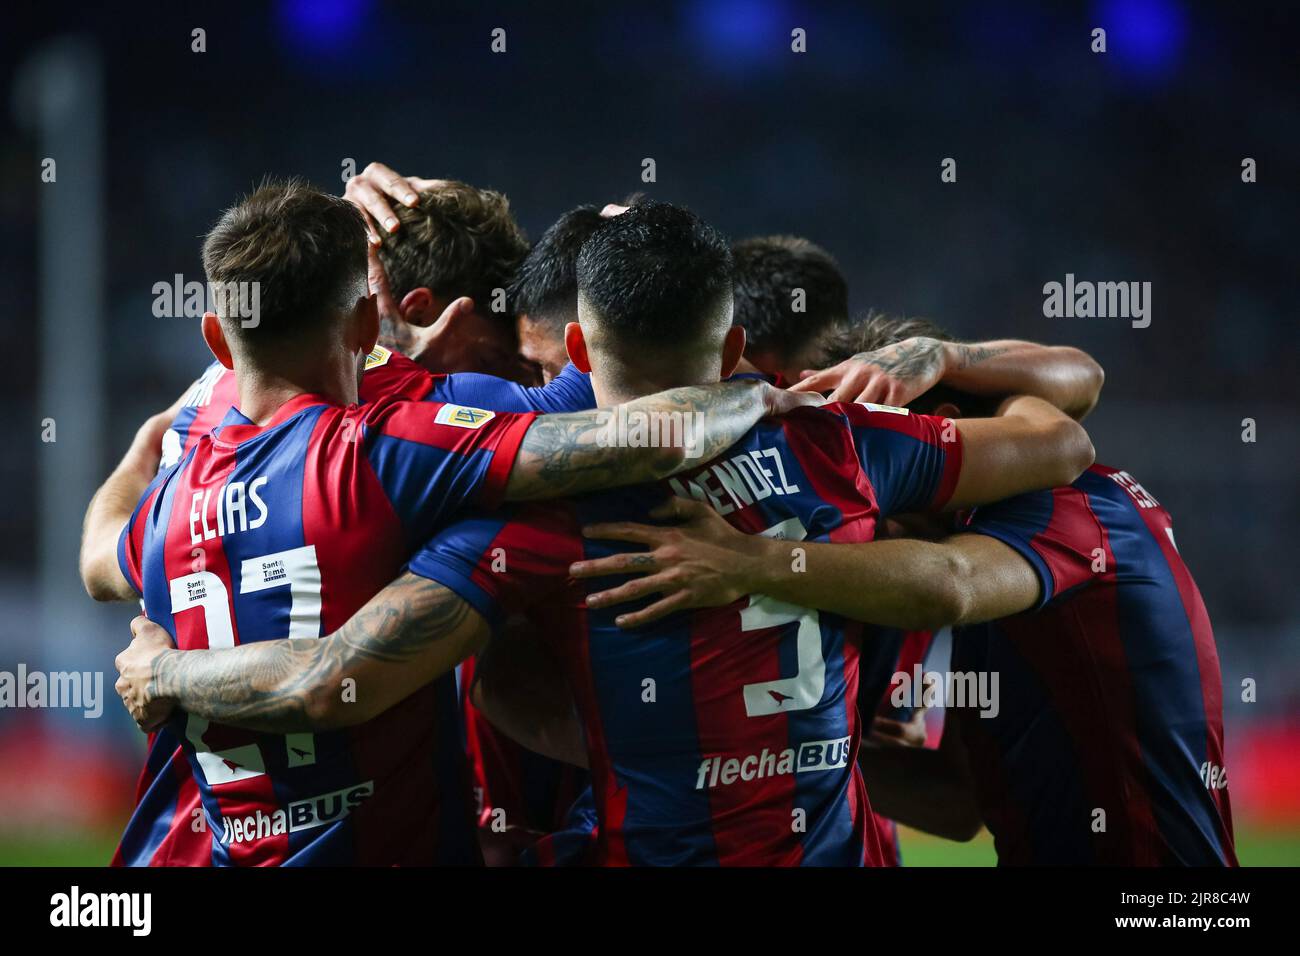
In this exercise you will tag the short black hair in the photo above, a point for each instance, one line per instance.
(878, 330)
(546, 286)
(768, 270)
(653, 272)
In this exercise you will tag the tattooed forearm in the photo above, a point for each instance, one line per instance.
(910, 358)
(968, 355)
(584, 451)
(410, 633)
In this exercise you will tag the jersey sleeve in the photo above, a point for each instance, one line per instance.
(1055, 531)
(130, 543)
(503, 562)
(389, 374)
(203, 407)
(912, 461)
(433, 458)
(570, 391)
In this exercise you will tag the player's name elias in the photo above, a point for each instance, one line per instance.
(75, 908)
(72, 689)
(737, 482)
(226, 511)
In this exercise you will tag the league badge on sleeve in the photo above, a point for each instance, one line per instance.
(462, 416)
(377, 357)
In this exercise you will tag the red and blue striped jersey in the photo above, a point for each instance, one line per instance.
(724, 735)
(285, 530)
(887, 651)
(1107, 744)
(168, 827)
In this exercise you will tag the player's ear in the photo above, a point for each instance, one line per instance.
(215, 336)
(576, 346)
(947, 410)
(367, 318)
(420, 307)
(733, 350)
(451, 320)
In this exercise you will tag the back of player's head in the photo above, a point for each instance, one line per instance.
(878, 330)
(874, 331)
(545, 287)
(303, 251)
(788, 292)
(654, 280)
(458, 240)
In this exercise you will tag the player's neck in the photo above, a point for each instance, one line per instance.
(262, 392)
(630, 388)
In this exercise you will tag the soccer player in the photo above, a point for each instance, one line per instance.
(1105, 743)
(303, 504)
(723, 737)
(449, 247)
(544, 293)
(789, 292)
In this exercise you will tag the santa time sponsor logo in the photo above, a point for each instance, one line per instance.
(71, 689)
(300, 815)
(75, 908)
(811, 755)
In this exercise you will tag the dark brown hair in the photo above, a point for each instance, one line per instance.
(458, 240)
(305, 250)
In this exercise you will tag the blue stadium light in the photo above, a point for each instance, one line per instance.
(738, 29)
(1146, 36)
(322, 26)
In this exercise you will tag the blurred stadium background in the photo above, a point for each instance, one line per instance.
(1123, 166)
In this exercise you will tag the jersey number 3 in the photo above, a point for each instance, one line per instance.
(804, 689)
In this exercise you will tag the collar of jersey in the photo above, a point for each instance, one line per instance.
(236, 427)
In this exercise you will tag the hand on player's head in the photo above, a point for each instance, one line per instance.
(372, 188)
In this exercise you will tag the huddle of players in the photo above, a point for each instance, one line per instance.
(719, 721)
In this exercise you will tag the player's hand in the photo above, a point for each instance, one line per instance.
(782, 400)
(135, 667)
(700, 562)
(372, 188)
(886, 732)
(893, 375)
(146, 448)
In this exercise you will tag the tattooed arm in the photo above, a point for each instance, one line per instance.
(896, 374)
(574, 452)
(410, 633)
